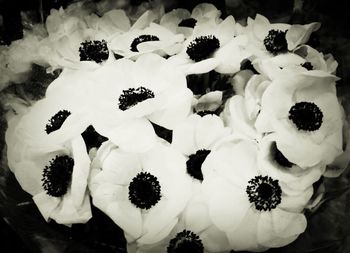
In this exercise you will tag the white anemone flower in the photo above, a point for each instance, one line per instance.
(246, 203)
(266, 39)
(53, 121)
(304, 112)
(127, 95)
(213, 46)
(143, 193)
(55, 177)
(183, 21)
(71, 43)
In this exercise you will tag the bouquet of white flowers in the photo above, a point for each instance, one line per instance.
(191, 131)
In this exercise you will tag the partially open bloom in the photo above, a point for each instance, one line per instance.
(143, 193)
(304, 112)
(56, 177)
(246, 203)
(127, 95)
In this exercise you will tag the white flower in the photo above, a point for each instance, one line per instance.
(127, 95)
(55, 177)
(183, 21)
(52, 121)
(71, 43)
(142, 193)
(266, 39)
(245, 203)
(304, 112)
(213, 46)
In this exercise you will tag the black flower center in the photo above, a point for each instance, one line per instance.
(133, 96)
(279, 157)
(56, 121)
(57, 175)
(194, 163)
(93, 50)
(144, 190)
(205, 112)
(307, 65)
(141, 39)
(185, 242)
(306, 116)
(202, 47)
(275, 42)
(264, 192)
(188, 22)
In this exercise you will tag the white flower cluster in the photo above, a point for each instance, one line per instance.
(180, 170)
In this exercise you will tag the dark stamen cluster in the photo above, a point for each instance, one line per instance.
(194, 163)
(202, 47)
(275, 42)
(144, 190)
(94, 50)
(188, 22)
(307, 65)
(264, 192)
(141, 39)
(306, 116)
(205, 112)
(57, 175)
(56, 121)
(185, 242)
(133, 96)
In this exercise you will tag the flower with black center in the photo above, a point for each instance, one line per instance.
(183, 21)
(128, 95)
(269, 39)
(246, 203)
(143, 193)
(80, 41)
(151, 39)
(52, 121)
(213, 46)
(304, 112)
(55, 174)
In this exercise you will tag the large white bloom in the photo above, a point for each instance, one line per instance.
(304, 112)
(143, 193)
(127, 95)
(247, 203)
